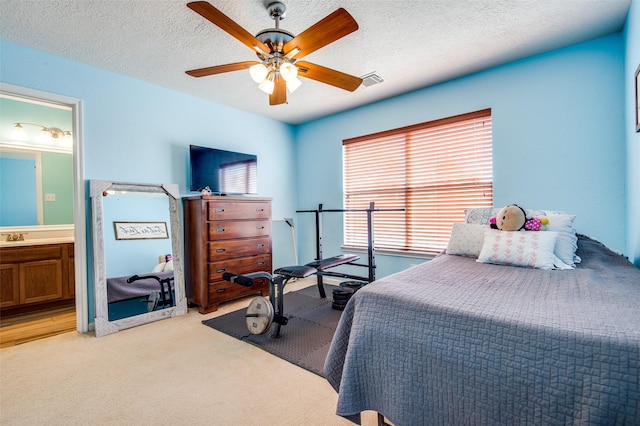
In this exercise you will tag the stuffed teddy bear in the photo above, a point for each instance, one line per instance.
(514, 218)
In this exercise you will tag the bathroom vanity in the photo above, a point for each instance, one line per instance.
(36, 274)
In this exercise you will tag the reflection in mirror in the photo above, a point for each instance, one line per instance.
(36, 164)
(38, 187)
(138, 274)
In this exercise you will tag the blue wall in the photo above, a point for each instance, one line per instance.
(561, 135)
(130, 257)
(558, 139)
(632, 62)
(138, 132)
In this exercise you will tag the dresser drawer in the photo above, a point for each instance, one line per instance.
(227, 230)
(223, 210)
(239, 266)
(230, 249)
(224, 290)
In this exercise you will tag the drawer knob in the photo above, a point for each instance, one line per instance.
(259, 227)
(221, 290)
(259, 209)
(220, 250)
(221, 270)
(260, 263)
(219, 210)
(220, 230)
(261, 245)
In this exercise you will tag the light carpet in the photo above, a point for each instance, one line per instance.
(171, 372)
(303, 341)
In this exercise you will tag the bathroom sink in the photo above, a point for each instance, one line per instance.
(36, 242)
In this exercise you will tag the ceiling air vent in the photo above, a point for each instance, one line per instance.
(371, 79)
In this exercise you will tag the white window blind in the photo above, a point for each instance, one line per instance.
(240, 177)
(433, 170)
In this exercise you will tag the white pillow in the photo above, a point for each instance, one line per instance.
(521, 248)
(466, 239)
(164, 266)
(480, 215)
(567, 242)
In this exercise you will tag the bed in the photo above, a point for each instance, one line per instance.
(124, 288)
(458, 342)
(119, 289)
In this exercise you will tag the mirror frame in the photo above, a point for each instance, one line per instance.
(102, 324)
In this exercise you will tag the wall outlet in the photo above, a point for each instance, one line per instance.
(49, 197)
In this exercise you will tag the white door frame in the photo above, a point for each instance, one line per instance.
(79, 209)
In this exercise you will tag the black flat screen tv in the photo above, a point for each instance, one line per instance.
(223, 172)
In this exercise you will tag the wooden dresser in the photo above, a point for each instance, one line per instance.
(225, 234)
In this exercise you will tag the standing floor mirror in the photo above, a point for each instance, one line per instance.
(137, 254)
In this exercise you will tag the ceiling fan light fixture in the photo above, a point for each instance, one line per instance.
(276, 49)
(268, 84)
(258, 72)
(288, 71)
(293, 84)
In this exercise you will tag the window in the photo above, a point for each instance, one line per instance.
(433, 170)
(240, 177)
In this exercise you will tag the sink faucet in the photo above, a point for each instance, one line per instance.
(15, 236)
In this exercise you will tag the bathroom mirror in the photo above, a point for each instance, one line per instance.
(137, 250)
(41, 189)
(37, 162)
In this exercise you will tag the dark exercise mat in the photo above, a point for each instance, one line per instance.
(304, 341)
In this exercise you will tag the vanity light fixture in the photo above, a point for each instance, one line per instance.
(47, 133)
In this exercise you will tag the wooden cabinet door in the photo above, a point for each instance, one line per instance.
(9, 285)
(41, 280)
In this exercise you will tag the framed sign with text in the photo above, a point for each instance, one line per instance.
(140, 230)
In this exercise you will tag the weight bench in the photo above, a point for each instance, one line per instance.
(261, 312)
(322, 265)
(163, 298)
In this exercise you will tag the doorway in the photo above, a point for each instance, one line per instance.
(78, 267)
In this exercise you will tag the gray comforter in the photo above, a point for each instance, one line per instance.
(456, 342)
(119, 289)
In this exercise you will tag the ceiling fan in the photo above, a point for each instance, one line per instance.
(279, 51)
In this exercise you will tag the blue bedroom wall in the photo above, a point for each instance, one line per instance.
(136, 256)
(632, 62)
(560, 136)
(138, 132)
(558, 140)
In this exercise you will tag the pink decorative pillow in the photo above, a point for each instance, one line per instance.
(521, 248)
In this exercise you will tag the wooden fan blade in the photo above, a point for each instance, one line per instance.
(227, 24)
(335, 26)
(279, 95)
(328, 76)
(219, 69)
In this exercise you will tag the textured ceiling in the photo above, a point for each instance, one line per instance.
(409, 43)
